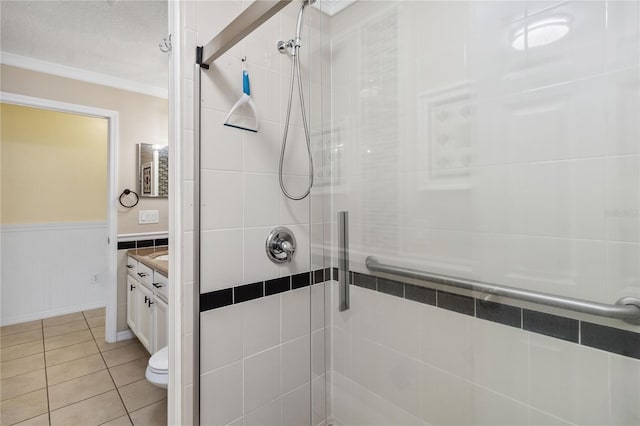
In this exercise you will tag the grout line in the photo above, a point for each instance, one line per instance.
(46, 379)
(111, 377)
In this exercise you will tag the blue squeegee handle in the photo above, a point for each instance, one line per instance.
(245, 82)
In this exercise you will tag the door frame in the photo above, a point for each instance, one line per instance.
(111, 276)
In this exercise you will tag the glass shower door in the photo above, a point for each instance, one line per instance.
(490, 141)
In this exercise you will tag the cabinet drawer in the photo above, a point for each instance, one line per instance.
(160, 284)
(145, 274)
(132, 266)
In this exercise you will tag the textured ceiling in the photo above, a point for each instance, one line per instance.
(115, 37)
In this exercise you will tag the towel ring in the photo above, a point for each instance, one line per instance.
(128, 200)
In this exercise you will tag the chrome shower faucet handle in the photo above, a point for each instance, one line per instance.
(280, 245)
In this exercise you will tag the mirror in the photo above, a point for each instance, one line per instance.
(153, 170)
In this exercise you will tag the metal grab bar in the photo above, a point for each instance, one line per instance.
(627, 308)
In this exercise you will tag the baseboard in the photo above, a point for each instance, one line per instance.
(124, 335)
(47, 314)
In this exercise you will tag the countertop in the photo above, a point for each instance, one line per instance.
(147, 256)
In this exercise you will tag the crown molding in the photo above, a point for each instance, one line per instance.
(81, 75)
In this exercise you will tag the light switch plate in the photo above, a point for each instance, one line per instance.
(148, 216)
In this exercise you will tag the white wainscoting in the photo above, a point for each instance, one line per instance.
(51, 269)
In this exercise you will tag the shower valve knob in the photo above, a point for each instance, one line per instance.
(280, 245)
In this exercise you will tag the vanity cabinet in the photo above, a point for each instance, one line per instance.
(144, 300)
(160, 330)
(147, 308)
(132, 291)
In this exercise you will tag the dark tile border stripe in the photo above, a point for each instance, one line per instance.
(244, 293)
(128, 245)
(621, 342)
(277, 285)
(610, 339)
(498, 312)
(551, 325)
(247, 292)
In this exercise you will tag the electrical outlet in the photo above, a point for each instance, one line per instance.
(148, 216)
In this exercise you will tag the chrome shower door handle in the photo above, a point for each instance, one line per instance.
(343, 261)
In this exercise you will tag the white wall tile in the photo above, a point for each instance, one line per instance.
(448, 348)
(318, 308)
(187, 205)
(364, 315)
(501, 359)
(221, 146)
(221, 200)
(295, 314)
(623, 270)
(580, 53)
(366, 363)
(580, 376)
(623, 108)
(222, 391)
(625, 390)
(537, 417)
(261, 200)
(265, 92)
(187, 308)
(563, 199)
(187, 360)
(261, 378)
(187, 405)
(221, 337)
(319, 412)
(260, 46)
(296, 407)
(445, 398)
(189, 45)
(318, 353)
(222, 262)
(400, 325)
(213, 16)
(401, 380)
(261, 324)
(296, 362)
(488, 408)
(262, 149)
(294, 212)
(267, 415)
(623, 198)
(222, 82)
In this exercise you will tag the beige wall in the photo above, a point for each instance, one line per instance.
(142, 118)
(54, 166)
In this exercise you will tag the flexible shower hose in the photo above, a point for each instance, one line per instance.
(295, 71)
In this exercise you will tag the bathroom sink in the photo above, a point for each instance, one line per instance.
(161, 257)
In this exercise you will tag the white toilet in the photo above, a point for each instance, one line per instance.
(158, 368)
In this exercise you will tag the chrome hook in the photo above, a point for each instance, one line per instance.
(165, 46)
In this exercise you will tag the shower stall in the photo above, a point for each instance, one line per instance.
(469, 251)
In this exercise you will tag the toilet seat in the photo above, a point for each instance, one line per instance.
(158, 368)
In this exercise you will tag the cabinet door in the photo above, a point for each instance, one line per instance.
(132, 289)
(144, 305)
(160, 329)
